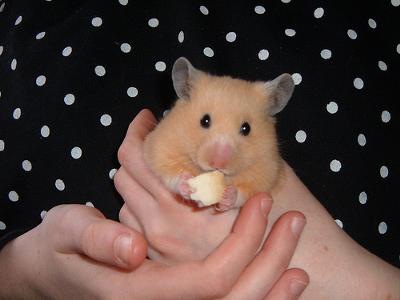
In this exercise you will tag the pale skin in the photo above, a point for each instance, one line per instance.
(338, 267)
(75, 253)
(71, 255)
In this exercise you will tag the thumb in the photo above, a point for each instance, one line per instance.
(85, 230)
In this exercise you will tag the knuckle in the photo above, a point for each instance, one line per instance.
(123, 214)
(118, 180)
(89, 238)
(122, 154)
(217, 284)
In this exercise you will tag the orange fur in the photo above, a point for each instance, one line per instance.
(179, 144)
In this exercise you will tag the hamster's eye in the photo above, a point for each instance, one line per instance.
(245, 129)
(205, 121)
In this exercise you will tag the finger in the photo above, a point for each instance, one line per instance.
(135, 196)
(142, 124)
(84, 230)
(130, 154)
(273, 259)
(240, 247)
(215, 276)
(127, 218)
(290, 286)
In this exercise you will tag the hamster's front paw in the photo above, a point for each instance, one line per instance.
(229, 199)
(183, 187)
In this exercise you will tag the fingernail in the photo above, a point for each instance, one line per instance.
(265, 206)
(123, 248)
(297, 225)
(297, 287)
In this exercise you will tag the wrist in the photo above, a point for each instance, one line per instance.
(14, 272)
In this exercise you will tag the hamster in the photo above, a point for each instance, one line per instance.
(219, 123)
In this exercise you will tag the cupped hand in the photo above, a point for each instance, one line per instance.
(75, 254)
(179, 232)
(175, 228)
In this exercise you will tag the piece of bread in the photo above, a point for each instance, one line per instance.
(209, 187)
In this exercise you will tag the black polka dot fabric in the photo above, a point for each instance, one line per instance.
(73, 74)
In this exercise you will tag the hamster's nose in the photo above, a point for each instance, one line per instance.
(221, 155)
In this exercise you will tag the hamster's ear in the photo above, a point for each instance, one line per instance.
(279, 91)
(183, 74)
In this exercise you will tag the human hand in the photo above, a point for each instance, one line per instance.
(179, 232)
(62, 256)
(70, 255)
(175, 229)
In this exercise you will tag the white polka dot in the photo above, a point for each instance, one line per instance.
(160, 66)
(372, 23)
(339, 223)
(362, 140)
(89, 204)
(132, 92)
(382, 65)
(100, 70)
(27, 165)
(384, 171)
(181, 36)
(362, 198)
(165, 112)
(2, 225)
(13, 64)
(106, 120)
(126, 48)
(17, 113)
(398, 48)
(76, 152)
(69, 99)
(301, 136)
(263, 54)
(112, 173)
(1, 50)
(335, 165)
(2, 145)
(358, 83)
(319, 12)
(352, 34)
(43, 214)
(41, 80)
(259, 9)
(40, 35)
(18, 20)
(231, 36)
(123, 2)
(45, 131)
(2, 6)
(204, 10)
(67, 51)
(60, 185)
(290, 32)
(297, 78)
(382, 228)
(326, 54)
(385, 116)
(332, 107)
(13, 196)
(285, 1)
(153, 22)
(97, 21)
(395, 3)
(208, 52)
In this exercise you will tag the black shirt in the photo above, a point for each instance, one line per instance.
(73, 74)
